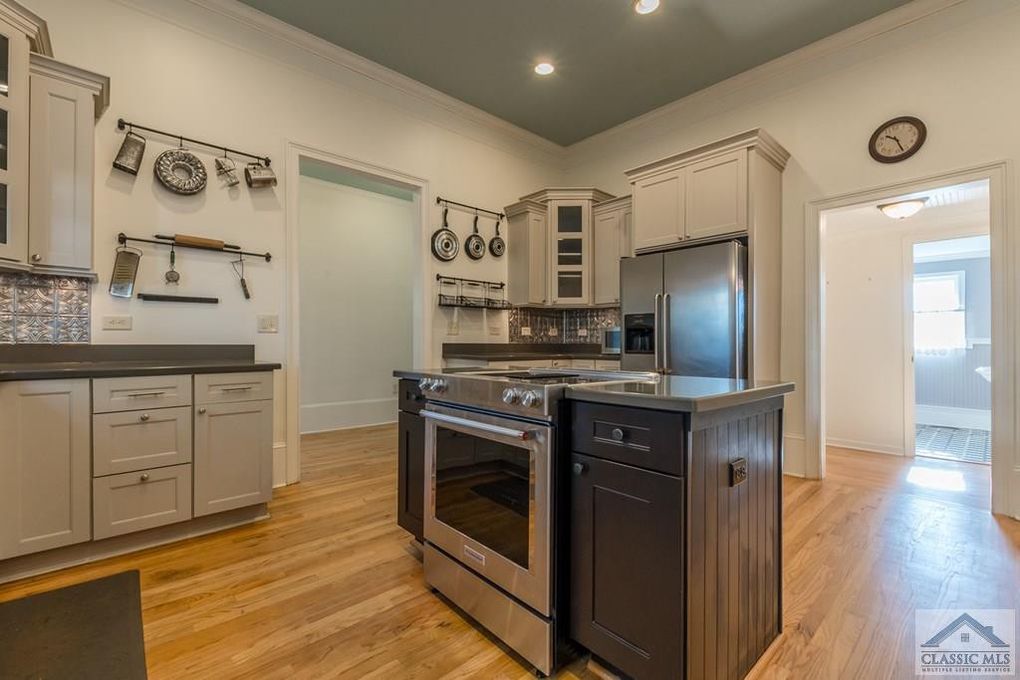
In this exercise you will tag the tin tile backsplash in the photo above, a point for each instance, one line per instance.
(561, 325)
(43, 309)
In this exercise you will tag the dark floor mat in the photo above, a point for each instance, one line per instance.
(89, 631)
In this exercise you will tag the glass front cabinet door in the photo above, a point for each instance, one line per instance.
(14, 103)
(570, 251)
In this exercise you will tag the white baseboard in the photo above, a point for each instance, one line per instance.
(870, 447)
(342, 415)
(950, 416)
(279, 464)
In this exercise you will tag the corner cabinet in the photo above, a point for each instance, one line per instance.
(14, 103)
(45, 466)
(553, 262)
(610, 241)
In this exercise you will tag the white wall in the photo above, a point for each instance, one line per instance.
(868, 264)
(949, 69)
(193, 66)
(356, 266)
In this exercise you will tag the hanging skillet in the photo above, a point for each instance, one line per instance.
(497, 246)
(474, 245)
(445, 244)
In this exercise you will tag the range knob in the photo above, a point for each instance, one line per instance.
(510, 396)
(531, 400)
(424, 384)
(439, 385)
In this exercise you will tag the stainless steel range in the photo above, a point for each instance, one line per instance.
(490, 493)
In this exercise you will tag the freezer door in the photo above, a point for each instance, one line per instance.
(706, 311)
(640, 288)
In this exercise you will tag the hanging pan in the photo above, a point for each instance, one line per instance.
(445, 244)
(497, 246)
(474, 245)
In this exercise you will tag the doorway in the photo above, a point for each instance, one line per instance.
(357, 292)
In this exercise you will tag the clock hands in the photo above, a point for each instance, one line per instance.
(895, 139)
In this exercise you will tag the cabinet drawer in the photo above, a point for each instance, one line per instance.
(146, 392)
(139, 440)
(410, 397)
(220, 388)
(653, 440)
(136, 501)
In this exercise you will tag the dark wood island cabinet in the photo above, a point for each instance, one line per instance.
(411, 460)
(675, 528)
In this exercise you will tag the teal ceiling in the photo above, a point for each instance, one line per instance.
(611, 63)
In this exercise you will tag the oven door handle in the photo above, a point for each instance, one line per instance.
(523, 435)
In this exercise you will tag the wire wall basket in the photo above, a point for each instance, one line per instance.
(471, 293)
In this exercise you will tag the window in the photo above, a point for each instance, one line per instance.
(964, 637)
(940, 321)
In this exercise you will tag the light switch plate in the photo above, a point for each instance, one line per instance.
(553, 332)
(268, 323)
(117, 323)
(526, 331)
(582, 332)
(494, 330)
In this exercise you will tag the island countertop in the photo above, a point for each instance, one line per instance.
(680, 393)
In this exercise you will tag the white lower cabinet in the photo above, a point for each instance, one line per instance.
(136, 501)
(233, 455)
(45, 489)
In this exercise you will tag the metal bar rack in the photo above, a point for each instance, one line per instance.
(455, 291)
(121, 124)
(168, 242)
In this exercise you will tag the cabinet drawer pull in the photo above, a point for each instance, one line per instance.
(236, 389)
(36, 257)
(147, 394)
(617, 434)
(144, 477)
(201, 411)
(579, 469)
(144, 417)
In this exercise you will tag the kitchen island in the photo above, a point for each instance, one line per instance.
(675, 548)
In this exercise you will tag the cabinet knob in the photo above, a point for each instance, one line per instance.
(616, 434)
(579, 469)
(36, 257)
(144, 417)
(201, 411)
(144, 477)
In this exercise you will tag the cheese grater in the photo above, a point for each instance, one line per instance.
(125, 268)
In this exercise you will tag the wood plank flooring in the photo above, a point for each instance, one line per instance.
(328, 587)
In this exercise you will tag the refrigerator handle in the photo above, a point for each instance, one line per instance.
(667, 330)
(657, 333)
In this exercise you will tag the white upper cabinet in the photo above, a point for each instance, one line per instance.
(570, 251)
(610, 241)
(14, 103)
(698, 194)
(527, 243)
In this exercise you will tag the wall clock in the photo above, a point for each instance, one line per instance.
(897, 139)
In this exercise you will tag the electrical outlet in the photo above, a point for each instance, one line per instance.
(553, 332)
(526, 331)
(117, 323)
(452, 328)
(494, 330)
(582, 332)
(268, 323)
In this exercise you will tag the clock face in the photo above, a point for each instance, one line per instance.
(897, 139)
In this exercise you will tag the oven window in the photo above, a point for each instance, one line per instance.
(484, 491)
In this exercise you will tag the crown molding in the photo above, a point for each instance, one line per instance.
(757, 139)
(30, 23)
(366, 68)
(569, 194)
(522, 207)
(98, 85)
(842, 41)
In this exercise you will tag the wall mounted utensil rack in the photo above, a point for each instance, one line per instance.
(122, 124)
(455, 291)
(447, 202)
(168, 242)
(156, 297)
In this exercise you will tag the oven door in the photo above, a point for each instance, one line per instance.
(487, 498)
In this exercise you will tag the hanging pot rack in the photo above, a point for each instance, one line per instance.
(447, 202)
(168, 241)
(122, 124)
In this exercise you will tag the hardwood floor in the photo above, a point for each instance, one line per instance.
(328, 588)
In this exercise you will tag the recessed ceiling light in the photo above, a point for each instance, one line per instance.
(903, 209)
(645, 6)
(544, 68)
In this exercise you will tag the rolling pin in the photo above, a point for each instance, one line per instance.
(198, 242)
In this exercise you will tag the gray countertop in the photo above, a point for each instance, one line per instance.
(680, 393)
(516, 351)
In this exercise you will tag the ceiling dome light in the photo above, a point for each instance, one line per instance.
(901, 210)
(544, 68)
(645, 6)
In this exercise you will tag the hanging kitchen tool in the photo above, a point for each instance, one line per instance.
(445, 244)
(474, 245)
(125, 269)
(240, 275)
(132, 149)
(497, 246)
(226, 170)
(172, 276)
(258, 175)
(180, 171)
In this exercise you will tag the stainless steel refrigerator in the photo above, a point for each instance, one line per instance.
(685, 311)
